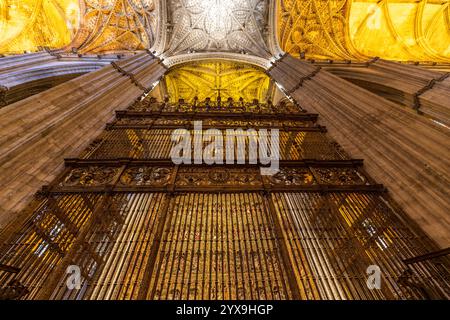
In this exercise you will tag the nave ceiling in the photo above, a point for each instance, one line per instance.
(336, 29)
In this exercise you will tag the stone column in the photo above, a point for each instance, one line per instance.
(424, 90)
(37, 133)
(405, 151)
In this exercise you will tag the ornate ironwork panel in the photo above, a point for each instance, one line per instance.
(138, 226)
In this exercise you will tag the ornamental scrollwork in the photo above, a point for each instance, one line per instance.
(340, 176)
(218, 176)
(146, 176)
(90, 176)
(134, 122)
(208, 105)
(292, 177)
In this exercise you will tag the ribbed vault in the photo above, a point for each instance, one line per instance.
(27, 24)
(117, 25)
(211, 78)
(353, 29)
(402, 30)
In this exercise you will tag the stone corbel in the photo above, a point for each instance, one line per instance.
(372, 61)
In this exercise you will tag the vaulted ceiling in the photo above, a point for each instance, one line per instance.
(211, 78)
(416, 30)
(27, 24)
(117, 25)
(217, 25)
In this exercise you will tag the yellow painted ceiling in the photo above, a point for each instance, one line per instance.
(117, 25)
(402, 30)
(417, 30)
(27, 24)
(207, 79)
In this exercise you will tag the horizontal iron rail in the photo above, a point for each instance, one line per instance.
(78, 162)
(218, 115)
(428, 256)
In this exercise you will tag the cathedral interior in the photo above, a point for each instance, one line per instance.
(91, 92)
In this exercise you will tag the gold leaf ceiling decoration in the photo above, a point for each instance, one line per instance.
(117, 25)
(208, 79)
(417, 30)
(405, 30)
(314, 27)
(27, 24)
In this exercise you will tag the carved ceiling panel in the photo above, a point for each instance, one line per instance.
(358, 29)
(218, 25)
(208, 79)
(27, 24)
(314, 27)
(117, 25)
(417, 30)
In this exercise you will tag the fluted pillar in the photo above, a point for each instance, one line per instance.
(424, 90)
(37, 133)
(405, 151)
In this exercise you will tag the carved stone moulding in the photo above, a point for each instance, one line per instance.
(173, 61)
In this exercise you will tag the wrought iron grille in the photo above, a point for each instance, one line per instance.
(140, 227)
